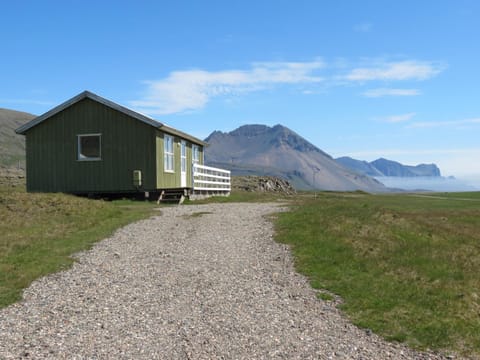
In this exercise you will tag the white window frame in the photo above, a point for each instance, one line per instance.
(168, 153)
(80, 156)
(183, 156)
(195, 154)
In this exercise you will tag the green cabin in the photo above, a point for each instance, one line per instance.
(91, 145)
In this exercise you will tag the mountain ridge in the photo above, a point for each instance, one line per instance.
(384, 167)
(278, 151)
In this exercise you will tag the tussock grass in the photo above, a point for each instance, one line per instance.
(406, 266)
(39, 232)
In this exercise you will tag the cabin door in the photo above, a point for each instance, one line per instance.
(183, 165)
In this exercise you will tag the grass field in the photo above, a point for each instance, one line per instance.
(39, 232)
(406, 266)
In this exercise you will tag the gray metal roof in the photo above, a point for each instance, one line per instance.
(87, 94)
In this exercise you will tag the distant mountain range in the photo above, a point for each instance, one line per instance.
(12, 146)
(278, 151)
(257, 150)
(383, 167)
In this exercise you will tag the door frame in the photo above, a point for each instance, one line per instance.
(183, 163)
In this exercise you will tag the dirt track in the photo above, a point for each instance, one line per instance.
(197, 282)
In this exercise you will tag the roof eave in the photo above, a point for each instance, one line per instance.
(181, 134)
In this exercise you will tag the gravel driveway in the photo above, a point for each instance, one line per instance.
(196, 282)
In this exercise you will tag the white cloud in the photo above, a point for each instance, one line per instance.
(188, 90)
(193, 89)
(400, 70)
(399, 118)
(381, 92)
(453, 123)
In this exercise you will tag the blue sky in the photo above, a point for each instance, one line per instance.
(367, 79)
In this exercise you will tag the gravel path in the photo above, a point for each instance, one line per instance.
(196, 282)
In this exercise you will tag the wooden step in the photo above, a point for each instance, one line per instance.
(172, 196)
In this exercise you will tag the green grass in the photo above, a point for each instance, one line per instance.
(39, 233)
(406, 266)
(325, 296)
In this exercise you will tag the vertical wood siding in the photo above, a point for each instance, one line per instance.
(167, 179)
(126, 145)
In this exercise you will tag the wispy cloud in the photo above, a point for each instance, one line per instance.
(193, 89)
(363, 27)
(398, 118)
(187, 90)
(381, 92)
(452, 123)
(400, 70)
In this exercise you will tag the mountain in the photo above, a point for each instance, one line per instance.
(393, 168)
(384, 167)
(12, 146)
(278, 151)
(362, 167)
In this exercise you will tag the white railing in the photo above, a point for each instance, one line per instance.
(206, 178)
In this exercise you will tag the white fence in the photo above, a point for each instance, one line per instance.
(210, 179)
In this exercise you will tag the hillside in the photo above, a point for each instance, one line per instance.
(384, 167)
(12, 146)
(278, 151)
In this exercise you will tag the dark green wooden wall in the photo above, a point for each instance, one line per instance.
(127, 144)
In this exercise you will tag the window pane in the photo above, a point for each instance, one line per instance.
(168, 153)
(89, 147)
(168, 162)
(195, 156)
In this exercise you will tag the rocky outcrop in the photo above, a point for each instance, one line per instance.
(10, 176)
(262, 184)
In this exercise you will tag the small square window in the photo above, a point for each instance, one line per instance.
(89, 147)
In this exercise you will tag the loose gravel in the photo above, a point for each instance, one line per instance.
(195, 282)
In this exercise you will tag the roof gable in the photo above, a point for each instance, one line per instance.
(87, 94)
